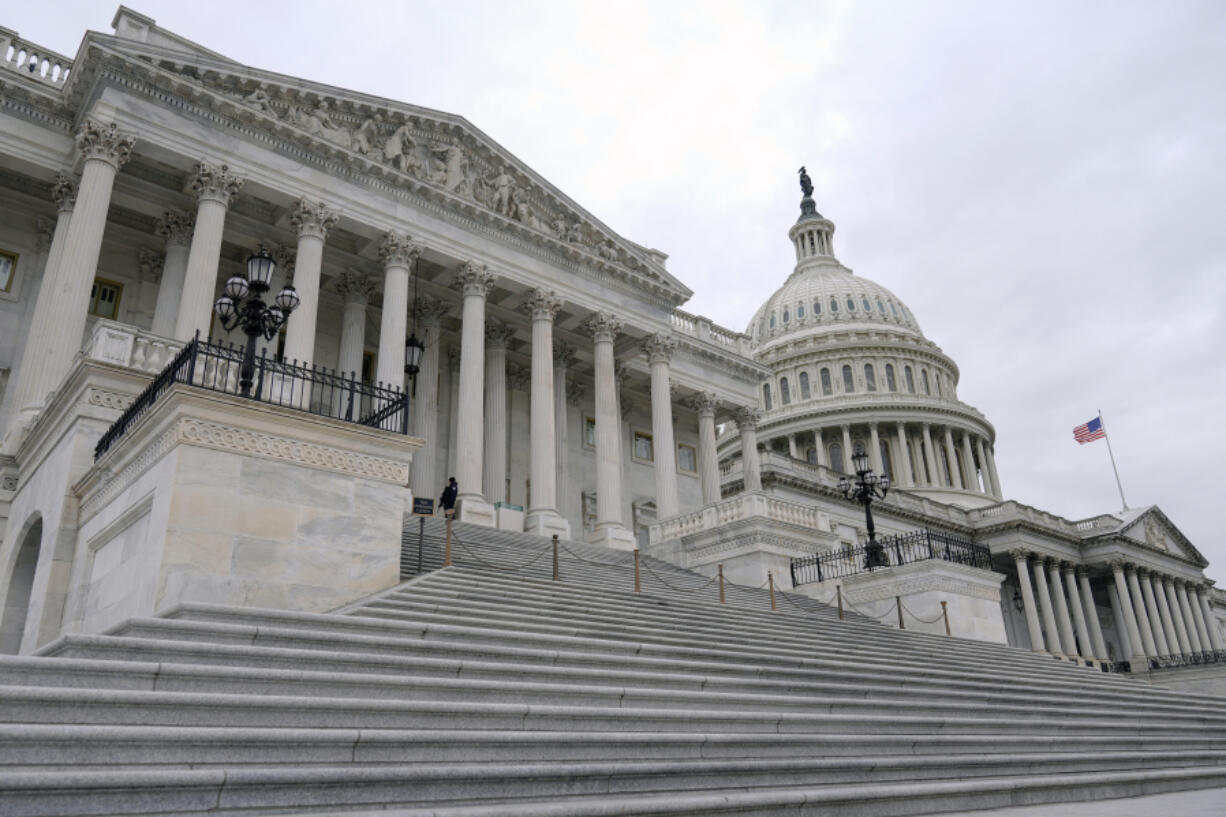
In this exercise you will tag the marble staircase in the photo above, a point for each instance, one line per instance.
(488, 688)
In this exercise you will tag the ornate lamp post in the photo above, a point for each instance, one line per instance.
(867, 487)
(256, 318)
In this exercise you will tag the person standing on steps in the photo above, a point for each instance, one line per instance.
(447, 500)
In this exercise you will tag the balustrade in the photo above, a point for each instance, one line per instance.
(32, 60)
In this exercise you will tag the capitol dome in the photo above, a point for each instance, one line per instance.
(852, 371)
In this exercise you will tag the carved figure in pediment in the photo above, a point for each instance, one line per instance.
(607, 251)
(1153, 533)
(319, 122)
(575, 234)
(261, 101)
(366, 136)
(400, 151)
(450, 166)
(503, 186)
(561, 227)
(524, 212)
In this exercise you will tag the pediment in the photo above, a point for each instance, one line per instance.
(438, 155)
(1152, 528)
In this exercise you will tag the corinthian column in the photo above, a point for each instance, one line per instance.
(1211, 627)
(397, 253)
(1091, 614)
(427, 315)
(930, 457)
(105, 149)
(1138, 606)
(313, 221)
(955, 473)
(987, 449)
(497, 335)
(874, 450)
(1172, 603)
(1164, 614)
(1126, 611)
(751, 463)
(355, 286)
(708, 462)
(1151, 612)
(543, 517)
(1049, 613)
(474, 282)
(1020, 560)
(563, 357)
(610, 527)
(659, 350)
(1064, 624)
(968, 464)
(903, 460)
(215, 189)
(1192, 625)
(177, 229)
(983, 467)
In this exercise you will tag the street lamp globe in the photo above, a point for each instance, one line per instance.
(859, 462)
(260, 267)
(237, 287)
(287, 300)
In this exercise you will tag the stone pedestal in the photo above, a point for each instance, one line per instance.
(476, 510)
(508, 516)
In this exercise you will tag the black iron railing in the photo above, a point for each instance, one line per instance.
(1178, 661)
(916, 546)
(311, 389)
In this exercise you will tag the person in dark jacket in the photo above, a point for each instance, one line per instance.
(447, 500)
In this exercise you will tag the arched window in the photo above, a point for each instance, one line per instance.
(800, 311)
(772, 320)
(910, 380)
(893, 309)
(766, 396)
(804, 386)
(836, 458)
(834, 305)
(890, 382)
(785, 394)
(849, 384)
(786, 315)
(826, 387)
(924, 380)
(867, 306)
(870, 377)
(936, 381)
(880, 306)
(851, 304)
(817, 307)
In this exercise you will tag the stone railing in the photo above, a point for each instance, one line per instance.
(735, 508)
(32, 60)
(859, 400)
(131, 346)
(704, 328)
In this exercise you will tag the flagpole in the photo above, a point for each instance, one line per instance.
(1111, 454)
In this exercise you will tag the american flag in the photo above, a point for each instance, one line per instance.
(1089, 432)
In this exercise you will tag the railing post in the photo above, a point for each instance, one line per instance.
(838, 589)
(928, 538)
(638, 587)
(447, 547)
(770, 578)
(349, 405)
(404, 415)
(721, 585)
(898, 603)
(194, 343)
(817, 562)
(259, 379)
(556, 577)
(945, 615)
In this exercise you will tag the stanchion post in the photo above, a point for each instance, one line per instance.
(945, 615)
(638, 587)
(447, 548)
(721, 585)
(556, 577)
(421, 538)
(898, 601)
(838, 589)
(770, 578)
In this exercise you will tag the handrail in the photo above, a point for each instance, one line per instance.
(904, 548)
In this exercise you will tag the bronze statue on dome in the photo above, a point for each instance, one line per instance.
(806, 184)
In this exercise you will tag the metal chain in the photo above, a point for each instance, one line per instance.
(907, 610)
(515, 569)
(591, 561)
(670, 586)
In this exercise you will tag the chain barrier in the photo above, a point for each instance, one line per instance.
(907, 610)
(617, 561)
(647, 564)
(476, 558)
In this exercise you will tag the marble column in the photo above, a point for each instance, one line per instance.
(903, 477)
(1045, 603)
(1172, 602)
(955, 473)
(1079, 618)
(1064, 624)
(177, 228)
(996, 492)
(969, 482)
(519, 431)
(453, 411)
(1091, 614)
(474, 281)
(563, 358)
(543, 517)
(1138, 606)
(497, 336)
(215, 188)
(427, 318)
(792, 447)
(1020, 560)
(751, 463)
(1211, 628)
(1185, 609)
(312, 221)
(610, 525)
(819, 442)
(930, 457)
(659, 350)
(920, 461)
(1164, 613)
(874, 450)
(32, 383)
(1125, 610)
(983, 467)
(1198, 618)
(708, 462)
(397, 252)
(152, 266)
(105, 149)
(355, 287)
(1151, 613)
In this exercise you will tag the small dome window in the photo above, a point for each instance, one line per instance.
(772, 321)
(804, 386)
(851, 304)
(880, 306)
(800, 311)
(766, 396)
(893, 309)
(786, 314)
(834, 305)
(785, 394)
(826, 388)
(867, 306)
(889, 377)
(849, 384)
(817, 307)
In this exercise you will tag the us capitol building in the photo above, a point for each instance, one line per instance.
(560, 381)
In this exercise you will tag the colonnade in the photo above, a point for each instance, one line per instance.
(1166, 619)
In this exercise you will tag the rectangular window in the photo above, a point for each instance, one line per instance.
(8, 270)
(104, 298)
(589, 432)
(368, 365)
(687, 459)
(643, 449)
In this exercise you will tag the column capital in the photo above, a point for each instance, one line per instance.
(873, 425)
(429, 311)
(1129, 567)
(176, 227)
(746, 418)
(214, 183)
(398, 250)
(150, 264)
(312, 218)
(575, 393)
(659, 347)
(64, 192)
(1020, 554)
(1082, 571)
(542, 305)
(497, 334)
(1067, 567)
(1117, 564)
(106, 143)
(563, 353)
(473, 279)
(519, 378)
(453, 357)
(355, 285)
(603, 326)
(704, 402)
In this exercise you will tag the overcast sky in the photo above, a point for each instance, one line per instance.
(1042, 183)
